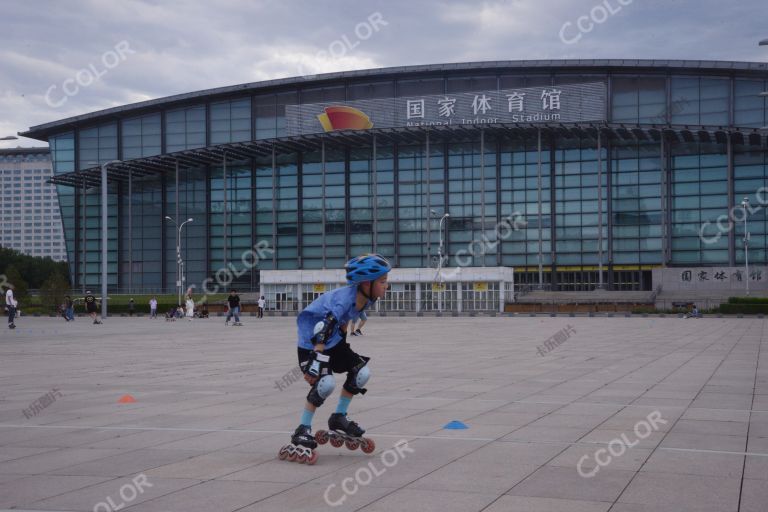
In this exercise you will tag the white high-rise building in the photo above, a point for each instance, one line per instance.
(30, 221)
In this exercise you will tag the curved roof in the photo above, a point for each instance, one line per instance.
(42, 131)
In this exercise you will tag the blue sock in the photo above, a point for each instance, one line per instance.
(306, 417)
(343, 404)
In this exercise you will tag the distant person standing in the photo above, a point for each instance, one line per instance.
(10, 307)
(69, 308)
(91, 307)
(262, 305)
(131, 307)
(153, 308)
(233, 308)
(189, 308)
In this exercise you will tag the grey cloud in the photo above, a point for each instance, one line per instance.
(185, 46)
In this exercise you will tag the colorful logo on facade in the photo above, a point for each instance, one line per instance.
(344, 118)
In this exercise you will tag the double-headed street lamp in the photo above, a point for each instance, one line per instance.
(440, 247)
(745, 206)
(440, 256)
(179, 261)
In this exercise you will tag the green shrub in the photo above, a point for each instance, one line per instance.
(747, 300)
(744, 309)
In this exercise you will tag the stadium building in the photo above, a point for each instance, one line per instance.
(577, 174)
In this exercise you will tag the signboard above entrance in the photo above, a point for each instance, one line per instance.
(566, 103)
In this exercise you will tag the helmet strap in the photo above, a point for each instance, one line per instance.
(367, 296)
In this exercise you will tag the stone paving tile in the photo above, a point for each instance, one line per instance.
(431, 501)
(126, 463)
(48, 461)
(667, 491)
(695, 463)
(566, 483)
(214, 495)
(754, 496)
(528, 504)
(22, 492)
(111, 492)
(208, 420)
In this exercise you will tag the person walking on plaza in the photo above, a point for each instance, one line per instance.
(69, 308)
(10, 307)
(233, 308)
(153, 308)
(91, 307)
(262, 305)
(189, 309)
(131, 307)
(356, 331)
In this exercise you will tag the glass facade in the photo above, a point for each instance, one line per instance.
(319, 207)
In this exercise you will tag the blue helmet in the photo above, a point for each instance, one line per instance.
(367, 267)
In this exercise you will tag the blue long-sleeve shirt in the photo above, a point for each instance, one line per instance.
(339, 302)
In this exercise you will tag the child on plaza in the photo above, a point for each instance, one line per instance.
(323, 350)
(355, 327)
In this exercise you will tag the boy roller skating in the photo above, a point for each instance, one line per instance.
(323, 350)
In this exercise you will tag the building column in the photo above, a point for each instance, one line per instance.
(553, 208)
(731, 204)
(538, 201)
(458, 296)
(83, 258)
(224, 176)
(599, 210)
(130, 233)
(609, 208)
(322, 166)
(429, 205)
(482, 191)
(375, 223)
(274, 214)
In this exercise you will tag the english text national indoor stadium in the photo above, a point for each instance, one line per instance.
(479, 181)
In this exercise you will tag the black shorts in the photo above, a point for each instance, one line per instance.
(343, 358)
(92, 309)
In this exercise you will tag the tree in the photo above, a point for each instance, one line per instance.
(13, 276)
(33, 269)
(53, 290)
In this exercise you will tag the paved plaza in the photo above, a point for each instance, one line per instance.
(563, 414)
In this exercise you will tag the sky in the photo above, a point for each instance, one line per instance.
(62, 59)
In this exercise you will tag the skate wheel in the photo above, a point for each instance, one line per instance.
(321, 437)
(353, 445)
(284, 452)
(367, 446)
(293, 456)
(301, 458)
(312, 458)
(336, 442)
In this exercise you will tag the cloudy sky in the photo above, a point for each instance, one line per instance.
(176, 46)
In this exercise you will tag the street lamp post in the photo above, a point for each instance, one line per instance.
(745, 205)
(440, 260)
(179, 261)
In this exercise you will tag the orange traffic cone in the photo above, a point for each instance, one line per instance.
(126, 399)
